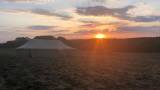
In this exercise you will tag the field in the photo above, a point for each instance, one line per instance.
(80, 71)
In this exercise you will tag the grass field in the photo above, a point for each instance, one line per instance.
(80, 71)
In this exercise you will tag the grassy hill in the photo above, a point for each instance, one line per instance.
(118, 45)
(150, 44)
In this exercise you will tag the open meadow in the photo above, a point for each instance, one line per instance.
(79, 44)
(80, 71)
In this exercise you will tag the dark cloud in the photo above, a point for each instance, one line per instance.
(45, 12)
(42, 12)
(49, 13)
(125, 29)
(90, 25)
(116, 12)
(138, 29)
(58, 31)
(41, 27)
(102, 1)
(144, 18)
(101, 10)
(17, 1)
(21, 1)
(88, 21)
(85, 32)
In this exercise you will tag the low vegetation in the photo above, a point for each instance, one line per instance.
(80, 71)
(105, 45)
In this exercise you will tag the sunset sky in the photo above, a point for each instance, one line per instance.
(79, 18)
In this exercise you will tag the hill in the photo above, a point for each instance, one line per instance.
(148, 44)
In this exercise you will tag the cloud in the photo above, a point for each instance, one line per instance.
(39, 11)
(49, 13)
(58, 31)
(85, 32)
(40, 27)
(102, 1)
(138, 29)
(48, 29)
(143, 9)
(144, 18)
(28, 1)
(121, 13)
(19, 0)
(90, 25)
(101, 10)
(88, 20)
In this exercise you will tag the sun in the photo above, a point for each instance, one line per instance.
(100, 36)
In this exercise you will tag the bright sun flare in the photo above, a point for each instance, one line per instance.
(100, 36)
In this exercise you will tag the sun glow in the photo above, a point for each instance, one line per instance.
(100, 36)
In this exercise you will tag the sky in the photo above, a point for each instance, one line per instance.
(76, 19)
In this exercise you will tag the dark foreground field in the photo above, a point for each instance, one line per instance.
(80, 71)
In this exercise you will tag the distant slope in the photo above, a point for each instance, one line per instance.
(124, 45)
(149, 44)
(15, 43)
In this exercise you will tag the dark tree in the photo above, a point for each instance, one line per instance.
(15, 43)
(61, 38)
(45, 37)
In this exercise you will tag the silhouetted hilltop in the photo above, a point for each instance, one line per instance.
(22, 40)
(15, 43)
(45, 37)
(149, 44)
